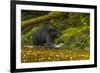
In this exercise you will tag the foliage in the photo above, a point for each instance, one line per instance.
(74, 27)
(74, 34)
(74, 37)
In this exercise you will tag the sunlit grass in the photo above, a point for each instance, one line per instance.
(42, 55)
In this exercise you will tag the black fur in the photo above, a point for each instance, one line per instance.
(44, 36)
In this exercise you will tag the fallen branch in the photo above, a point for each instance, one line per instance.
(30, 22)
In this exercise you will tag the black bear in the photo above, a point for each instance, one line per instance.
(44, 36)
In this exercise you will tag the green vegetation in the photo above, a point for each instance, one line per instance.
(74, 34)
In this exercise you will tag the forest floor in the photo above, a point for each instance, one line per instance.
(44, 55)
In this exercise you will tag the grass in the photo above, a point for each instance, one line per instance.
(45, 54)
